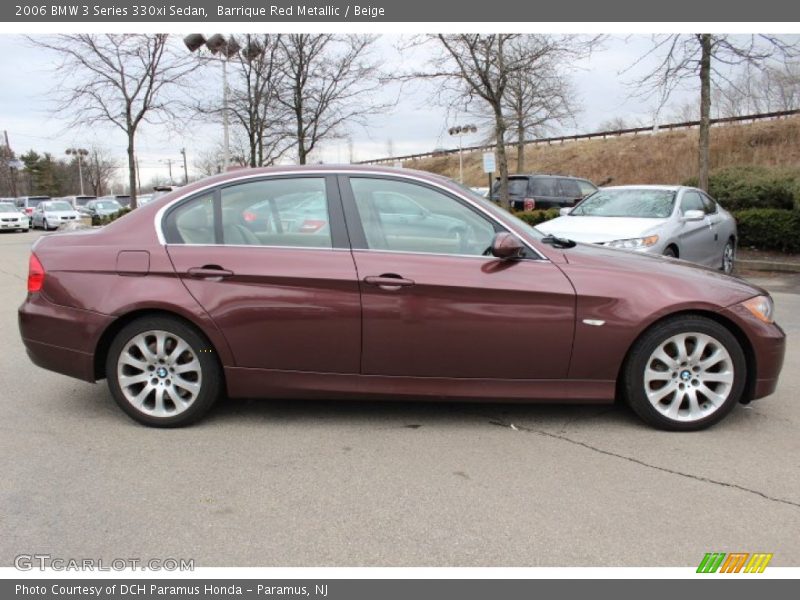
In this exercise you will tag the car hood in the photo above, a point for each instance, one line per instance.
(595, 230)
(11, 215)
(656, 280)
(62, 213)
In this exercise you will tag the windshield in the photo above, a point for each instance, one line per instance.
(6, 207)
(60, 205)
(638, 203)
(108, 205)
(36, 201)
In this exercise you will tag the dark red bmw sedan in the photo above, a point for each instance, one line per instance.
(355, 282)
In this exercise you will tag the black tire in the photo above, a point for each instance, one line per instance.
(211, 383)
(670, 252)
(633, 373)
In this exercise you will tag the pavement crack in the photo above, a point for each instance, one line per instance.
(14, 275)
(642, 463)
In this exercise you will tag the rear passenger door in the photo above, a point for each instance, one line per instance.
(269, 260)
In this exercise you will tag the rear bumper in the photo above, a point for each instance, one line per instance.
(60, 338)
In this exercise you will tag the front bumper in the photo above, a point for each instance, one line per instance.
(768, 344)
(60, 338)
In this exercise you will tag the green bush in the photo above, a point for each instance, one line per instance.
(769, 229)
(738, 188)
(534, 217)
(96, 220)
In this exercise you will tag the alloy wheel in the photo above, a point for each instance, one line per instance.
(689, 376)
(727, 258)
(159, 373)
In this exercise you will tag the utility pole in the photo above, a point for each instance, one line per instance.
(185, 169)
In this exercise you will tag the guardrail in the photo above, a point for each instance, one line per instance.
(588, 136)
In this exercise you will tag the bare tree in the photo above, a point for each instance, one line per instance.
(685, 57)
(540, 96)
(99, 169)
(253, 103)
(124, 79)
(774, 88)
(329, 81)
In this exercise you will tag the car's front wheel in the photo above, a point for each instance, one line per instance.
(162, 372)
(728, 257)
(684, 374)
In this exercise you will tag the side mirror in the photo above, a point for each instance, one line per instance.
(694, 215)
(507, 246)
(563, 212)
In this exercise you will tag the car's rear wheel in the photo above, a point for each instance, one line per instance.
(728, 257)
(162, 372)
(684, 374)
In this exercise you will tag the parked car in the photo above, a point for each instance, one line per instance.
(195, 305)
(676, 221)
(78, 201)
(102, 208)
(29, 203)
(534, 192)
(52, 213)
(11, 218)
(123, 199)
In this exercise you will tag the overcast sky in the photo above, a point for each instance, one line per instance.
(415, 125)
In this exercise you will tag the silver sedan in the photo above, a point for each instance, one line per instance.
(51, 214)
(682, 222)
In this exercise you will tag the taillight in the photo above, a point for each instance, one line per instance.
(530, 203)
(249, 216)
(35, 274)
(312, 225)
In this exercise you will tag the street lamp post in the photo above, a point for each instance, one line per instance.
(461, 130)
(227, 49)
(79, 153)
(15, 165)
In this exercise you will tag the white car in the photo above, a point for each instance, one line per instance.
(52, 213)
(11, 218)
(676, 221)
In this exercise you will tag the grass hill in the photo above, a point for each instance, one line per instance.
(668, 157)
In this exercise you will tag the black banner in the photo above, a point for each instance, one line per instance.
(511, 11)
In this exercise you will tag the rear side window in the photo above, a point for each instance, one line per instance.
(545, 186)
(192, 222)
(277, 212)
(569, 188)
(518, 187)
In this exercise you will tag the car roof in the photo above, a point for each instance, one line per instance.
(667, 188)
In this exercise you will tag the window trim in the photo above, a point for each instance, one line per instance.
(359, 239)
(339, 237)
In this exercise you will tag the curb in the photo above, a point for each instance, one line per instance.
(768, 265)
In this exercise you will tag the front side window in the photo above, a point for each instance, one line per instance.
(431, 222)
(569, 188)
(709, 204)
(691, 201)
(586, 188)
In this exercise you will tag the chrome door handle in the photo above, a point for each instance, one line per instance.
(211, 272)
(388, 281)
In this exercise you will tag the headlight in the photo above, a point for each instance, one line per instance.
(632, 243)
(762, 308)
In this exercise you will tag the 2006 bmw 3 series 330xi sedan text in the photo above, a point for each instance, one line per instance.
(357, 282)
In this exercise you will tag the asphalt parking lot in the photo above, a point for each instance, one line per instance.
(280, 483)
